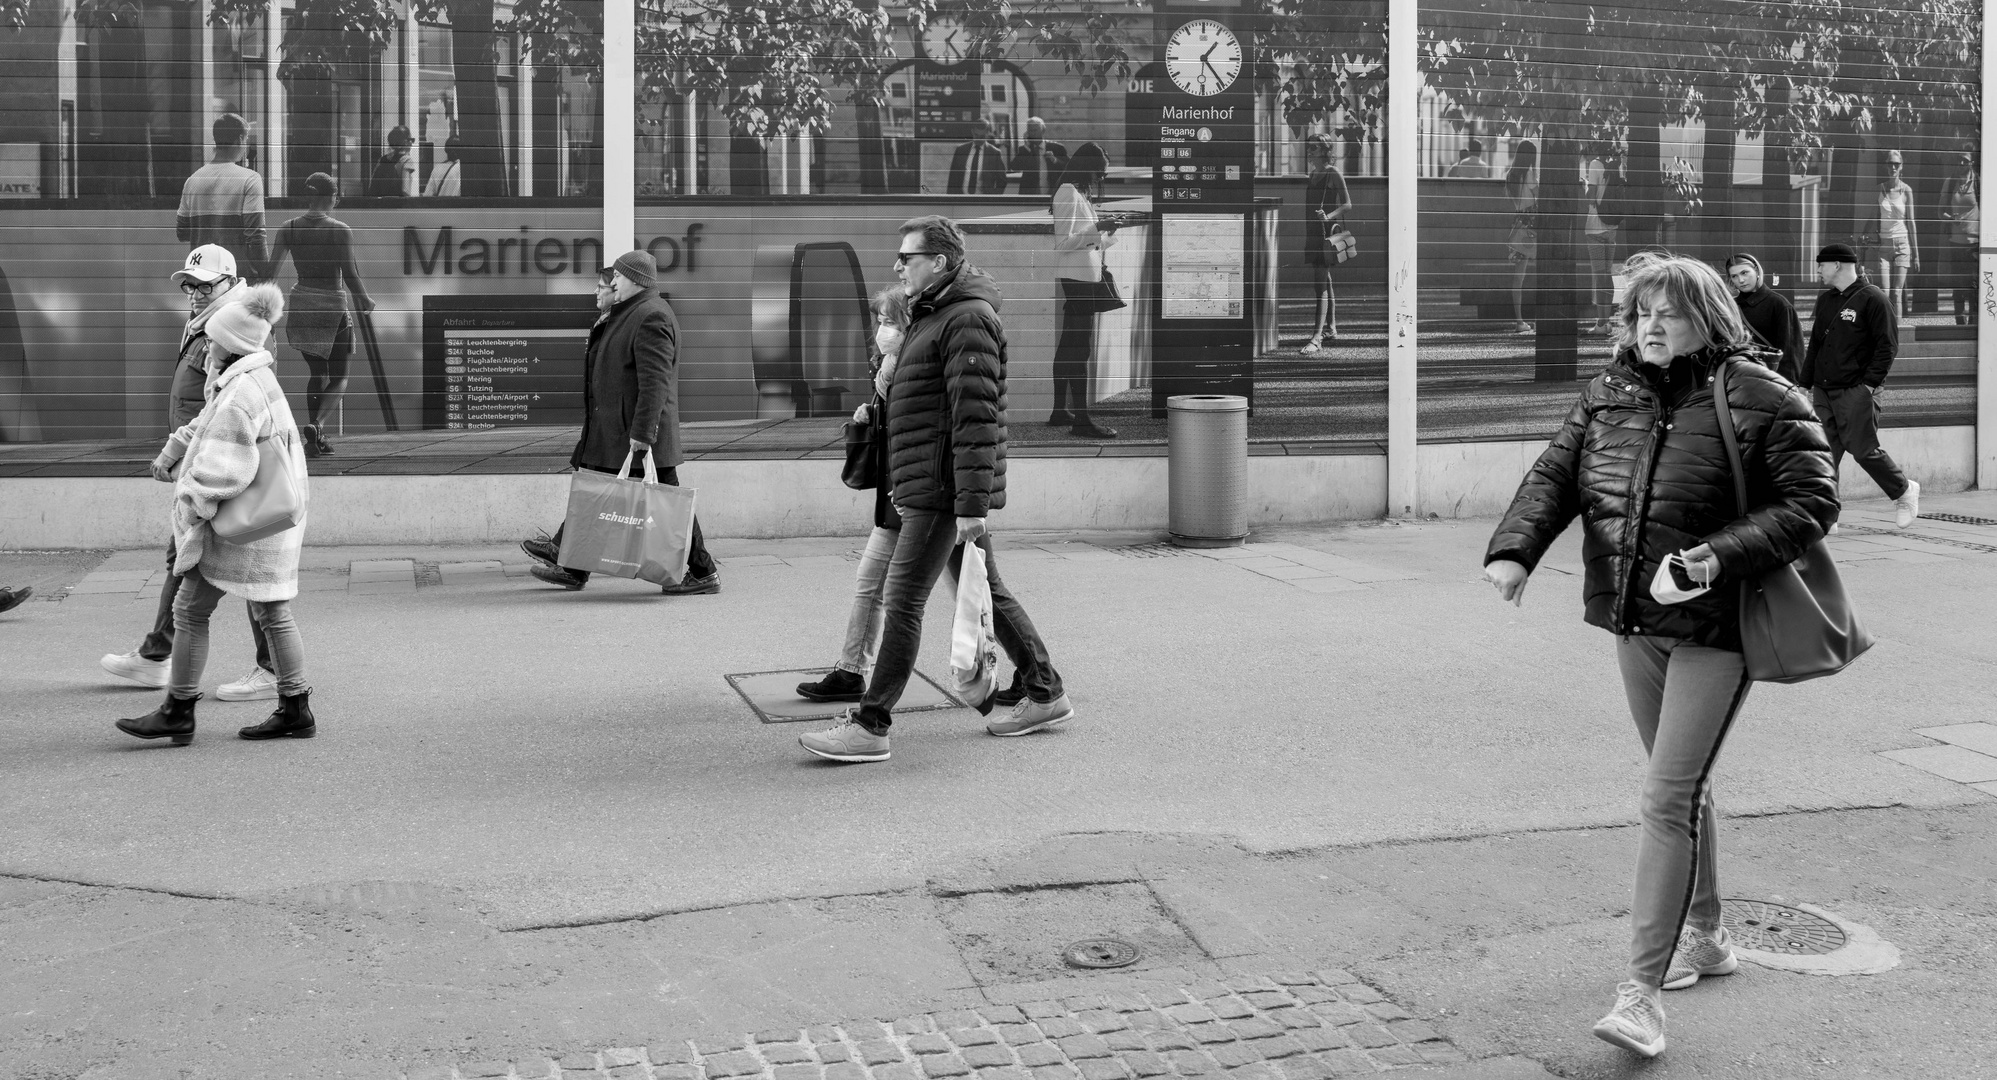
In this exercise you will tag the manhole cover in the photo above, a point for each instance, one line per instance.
(1775, 928)
(1100, 953)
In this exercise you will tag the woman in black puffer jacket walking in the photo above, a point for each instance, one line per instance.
(1640, 459)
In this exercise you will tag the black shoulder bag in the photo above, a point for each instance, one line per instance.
(1796, 621)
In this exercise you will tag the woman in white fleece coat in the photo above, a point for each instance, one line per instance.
(210, 461)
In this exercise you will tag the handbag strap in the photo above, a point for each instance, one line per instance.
(1728, 435)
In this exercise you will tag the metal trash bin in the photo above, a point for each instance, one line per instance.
(1206, 436)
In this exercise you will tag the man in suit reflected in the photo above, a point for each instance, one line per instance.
(978, 166)
(1037, 161)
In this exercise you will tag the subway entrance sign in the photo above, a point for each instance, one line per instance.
(504, 361)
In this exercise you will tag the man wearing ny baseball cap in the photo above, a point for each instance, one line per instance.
(210, 282)
(1853, 340)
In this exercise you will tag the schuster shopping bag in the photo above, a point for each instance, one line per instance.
(627, 527)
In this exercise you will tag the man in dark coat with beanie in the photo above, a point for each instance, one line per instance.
(630, 408)
(946, 463)
(1769, 314)
(1853, 339)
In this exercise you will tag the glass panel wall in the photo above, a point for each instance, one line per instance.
(1559, 138)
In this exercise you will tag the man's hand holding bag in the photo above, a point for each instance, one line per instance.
(628, 527)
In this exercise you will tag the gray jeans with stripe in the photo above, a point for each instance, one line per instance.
(1684, 698)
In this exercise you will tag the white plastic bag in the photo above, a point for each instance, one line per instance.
(973, 648)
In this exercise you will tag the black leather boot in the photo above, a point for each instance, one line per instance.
(174, 719)
(291, 720)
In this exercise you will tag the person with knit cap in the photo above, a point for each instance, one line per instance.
(210, 461)
(1769, 316)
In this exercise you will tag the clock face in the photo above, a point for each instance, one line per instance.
(945, 40)
(1203, 57)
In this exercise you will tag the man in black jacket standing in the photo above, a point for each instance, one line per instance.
(630, 407)
(1853, 339)
(1769, 314)
(946, 462)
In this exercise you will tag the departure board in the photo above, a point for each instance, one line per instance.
(504, 361)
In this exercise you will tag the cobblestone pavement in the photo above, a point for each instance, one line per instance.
(1167, 1023)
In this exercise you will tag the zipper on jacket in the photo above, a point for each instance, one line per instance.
(1639, 506)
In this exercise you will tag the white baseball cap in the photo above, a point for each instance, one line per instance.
(209, 262)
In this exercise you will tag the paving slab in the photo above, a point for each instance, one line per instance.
(1980, 737)
(1949, 762)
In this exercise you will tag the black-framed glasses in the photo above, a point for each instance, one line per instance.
(198, 289)
(901, 258)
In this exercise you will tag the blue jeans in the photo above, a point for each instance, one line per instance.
(158, 644)
(863, 626)
(928, 543)
(191, 609)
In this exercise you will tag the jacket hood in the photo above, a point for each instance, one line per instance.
(968, 283)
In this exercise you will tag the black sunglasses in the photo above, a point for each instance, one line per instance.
(901, 258)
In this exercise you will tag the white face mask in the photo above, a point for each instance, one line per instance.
(1664, 588)
(887, 339)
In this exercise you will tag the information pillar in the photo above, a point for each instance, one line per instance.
(1201, 106)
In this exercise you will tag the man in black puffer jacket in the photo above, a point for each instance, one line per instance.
(946, 463)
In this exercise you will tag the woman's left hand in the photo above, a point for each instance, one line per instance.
(1701, 563)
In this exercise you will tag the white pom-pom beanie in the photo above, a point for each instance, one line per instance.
(242, 326)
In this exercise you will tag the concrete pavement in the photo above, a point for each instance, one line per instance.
(539, 825)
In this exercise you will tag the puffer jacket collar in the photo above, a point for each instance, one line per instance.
(1672, 382)
(966, 283)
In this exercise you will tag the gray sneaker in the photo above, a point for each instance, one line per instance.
(1030, 716)
(846, 741)
(1699, 955)
(1637, 1021)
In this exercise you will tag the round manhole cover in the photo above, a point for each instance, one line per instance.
(1777, 928)
(1100, 953)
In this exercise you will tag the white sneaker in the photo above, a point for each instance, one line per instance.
(1908, 506)
(1637, 1021)
(258, 685)
(1833, 530)
(132, 667)
(1699, 955)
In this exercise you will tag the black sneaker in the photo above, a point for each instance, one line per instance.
(542, 549)
(837, 685)
(694, 586)
(555, 575)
